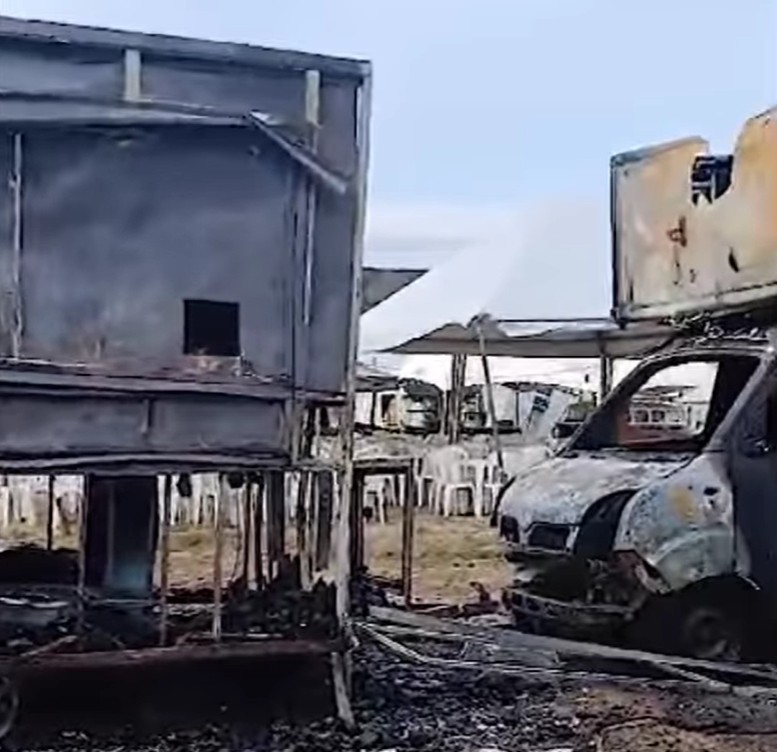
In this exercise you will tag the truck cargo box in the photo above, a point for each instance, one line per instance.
(695, 233)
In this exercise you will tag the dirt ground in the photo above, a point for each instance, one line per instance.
(450, 554)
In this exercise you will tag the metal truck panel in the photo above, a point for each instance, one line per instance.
(693, 232)
(141, 174)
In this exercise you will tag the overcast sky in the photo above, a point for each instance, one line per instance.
(489, 114)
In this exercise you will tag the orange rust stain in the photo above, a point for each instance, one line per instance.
(683, 503)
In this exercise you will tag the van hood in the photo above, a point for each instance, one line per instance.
(561, 489)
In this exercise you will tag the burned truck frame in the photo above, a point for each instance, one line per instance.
(667, 537)
(180, 253)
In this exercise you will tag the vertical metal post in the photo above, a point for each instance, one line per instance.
(490, 400)
(408, 534)
(218, 532)
(132, 72)
(164, 559)
(50, 515)
(312, 116)
(16, 244)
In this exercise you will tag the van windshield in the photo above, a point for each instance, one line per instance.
(669, 406)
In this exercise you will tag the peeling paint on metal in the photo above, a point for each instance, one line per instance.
(679, 527)
(560, 490)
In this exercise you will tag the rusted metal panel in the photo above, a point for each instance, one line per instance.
(693, 232)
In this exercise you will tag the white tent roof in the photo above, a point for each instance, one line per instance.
(555, 264)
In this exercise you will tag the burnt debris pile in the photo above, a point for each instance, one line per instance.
(41, 604)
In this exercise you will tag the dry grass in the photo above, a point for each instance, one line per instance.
(449, 554)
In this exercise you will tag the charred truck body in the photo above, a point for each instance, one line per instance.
(180, 234)
(666, 533)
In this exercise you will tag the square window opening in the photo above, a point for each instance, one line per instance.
(211, 327)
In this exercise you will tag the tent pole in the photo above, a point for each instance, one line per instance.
(490, 399)
(605, 375)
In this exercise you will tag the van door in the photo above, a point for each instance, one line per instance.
(753, 469)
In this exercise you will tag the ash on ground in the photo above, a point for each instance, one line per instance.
(401, 706)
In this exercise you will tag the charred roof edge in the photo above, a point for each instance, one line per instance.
(182, 47)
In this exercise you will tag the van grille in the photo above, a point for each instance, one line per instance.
(548, 536)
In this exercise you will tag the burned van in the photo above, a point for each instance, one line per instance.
(657, 520)
(634, 521)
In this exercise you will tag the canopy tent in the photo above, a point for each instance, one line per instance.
(379, 284)
(562, 338)
(552, 262)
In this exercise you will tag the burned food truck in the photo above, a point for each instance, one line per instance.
(180, 233)
(664, 533)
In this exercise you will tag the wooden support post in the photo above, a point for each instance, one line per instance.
(218, 530)
(408, 534)
(453, 413)
(325, 504)
(83, 513)
(342, 524)
(164, 558)
(246, 496)
(258, 531)
(301, 523)
(276, 522)
(490, 401)
(50, 514)
(357, 522)
(605, 376)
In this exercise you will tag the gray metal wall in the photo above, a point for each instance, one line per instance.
(105, 270)
(120, 228)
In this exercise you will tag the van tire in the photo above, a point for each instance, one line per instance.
(708, 622)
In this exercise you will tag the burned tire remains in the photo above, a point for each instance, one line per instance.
(716, 620)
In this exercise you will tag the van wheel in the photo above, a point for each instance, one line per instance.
(702, 625)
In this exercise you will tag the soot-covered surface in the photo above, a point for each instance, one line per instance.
(406, 707)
